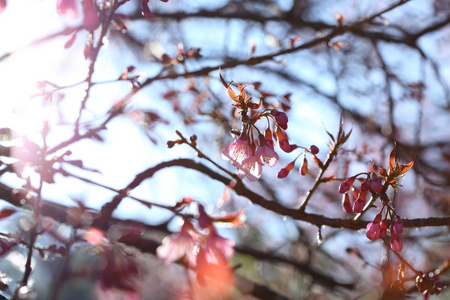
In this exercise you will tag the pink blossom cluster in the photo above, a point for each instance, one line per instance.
(200, 248)
(249, 155)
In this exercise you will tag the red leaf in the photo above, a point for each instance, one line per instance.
(226, 85)
(402, 169)
(392, 160)
(232, 94)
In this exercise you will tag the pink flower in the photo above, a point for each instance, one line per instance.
(251, 168)
(266, 152)
(67, 7)
(238, 151)
(241, 156)
(218, 248)
(179, 245)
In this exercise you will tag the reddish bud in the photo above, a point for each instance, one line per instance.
(365, 186)
(314, 150)
(304, 168)
(346, 204)
(358, 205)
(377, 218)
(376, 184)
(373, 231)
(281, 118)
(397, 227)
(285, 171)
(346, 185)
(204, 220)
(396, 243)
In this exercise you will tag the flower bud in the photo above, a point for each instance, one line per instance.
(304, 168)
(373, 231)
(358, 205)
(376, 184)
(396, 243)
(281, 118)
(365, 186)
(285, 171)
(397, 227)
(346, 185)
(314, 150)
(346, 204)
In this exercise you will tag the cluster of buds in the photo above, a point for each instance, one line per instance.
(378, 228)
(313, 150)
(371, 183)
(252, 149)
(428, 284)
(200, 248)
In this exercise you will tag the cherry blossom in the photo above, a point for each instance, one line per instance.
(251, 168)
(179, 245)
(237, 151)
(266, 152)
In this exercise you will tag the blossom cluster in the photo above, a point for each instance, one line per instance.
(200, 248)
(379, 227)
(251, 150)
